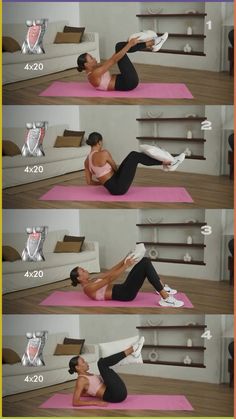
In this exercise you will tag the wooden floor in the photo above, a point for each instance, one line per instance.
(207, 87)
(206, 399)
(207, 191)
(209, 297)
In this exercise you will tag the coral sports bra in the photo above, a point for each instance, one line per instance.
(95, 382)
(104, 82)
(98, 171)
(100, 294)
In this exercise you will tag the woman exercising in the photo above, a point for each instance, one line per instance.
(99, 75)
(102, 289)
(117, 181)
(107, 387)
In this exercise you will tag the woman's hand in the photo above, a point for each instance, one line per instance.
(130, 261)
(134, 41)
(101, 403)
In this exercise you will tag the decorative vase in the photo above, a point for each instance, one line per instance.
(187, 360)
(189, 134)
(189, 343)
(187, 257)
(189, 30)
(189, 240)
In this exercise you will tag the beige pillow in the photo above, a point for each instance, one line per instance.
(10, 149)
(68, 141)
(68, 38)
(9, 44)
(9, 356)
(9, 254)
(68, 247)
(68, 349)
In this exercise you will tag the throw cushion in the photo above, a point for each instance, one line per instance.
(72, 341)
(74, 29)
(76, 239)
(110, 348)
(9, 356)
(9, 254)
(9, 44)
(10, 149)
(68, 247)
(68, 38)
(71, 133)
(68, 142)
(68, 349)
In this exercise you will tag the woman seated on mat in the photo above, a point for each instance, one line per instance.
(102, 288)
(117, 181)
(99, 75)
(107, 387)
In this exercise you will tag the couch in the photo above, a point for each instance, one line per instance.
(55, 370)
(57, 57)
(56, 162)
(56, 266)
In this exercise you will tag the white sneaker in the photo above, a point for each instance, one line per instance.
(171, 302)
(159, 41)
(142, 36)
(168, 289)
(137, 347)
(151, 34)
(177, 161)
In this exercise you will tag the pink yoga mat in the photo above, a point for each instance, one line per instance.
(144, 90)
(133, 402)
(79, 299)
(100, 194)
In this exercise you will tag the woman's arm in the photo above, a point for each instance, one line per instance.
(110, 160)
(79, 389)
(88, 175)
(98, 72)
(110, 276)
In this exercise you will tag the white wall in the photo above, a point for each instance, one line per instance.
(18, 325)
(121, 234)
(111, 32)
(17, 116)
(115, 231)
(118, 126)
(15, 221)
(20, 12)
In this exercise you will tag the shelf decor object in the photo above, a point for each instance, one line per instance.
(155, 349)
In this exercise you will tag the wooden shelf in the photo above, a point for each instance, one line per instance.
(171, 225)
(184, 118)
(191, 348)
(187, 140)
(177, 364)
(176, 51)
(166, 260)
(184, 35)
(197, 245)
(193, 157)
(184, 326)
(179, 15)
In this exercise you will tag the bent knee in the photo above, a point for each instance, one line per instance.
(132, 84)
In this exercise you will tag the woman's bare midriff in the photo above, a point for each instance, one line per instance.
(92, 294)
(95, 82)
(101, 391)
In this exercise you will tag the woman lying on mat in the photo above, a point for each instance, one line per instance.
(102, 288)
(107, 387)
(117, 181)
(99, 75)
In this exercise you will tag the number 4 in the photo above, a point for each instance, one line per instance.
(207, 335)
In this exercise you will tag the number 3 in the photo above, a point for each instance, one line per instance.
(206, 230)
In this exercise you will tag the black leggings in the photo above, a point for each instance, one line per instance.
(134, 281)
(128, 77)
(120, 182)
(116, 390)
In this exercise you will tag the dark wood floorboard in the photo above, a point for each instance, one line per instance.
(206, 399)
(206, 191)
(207, 87)
(210, 297)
